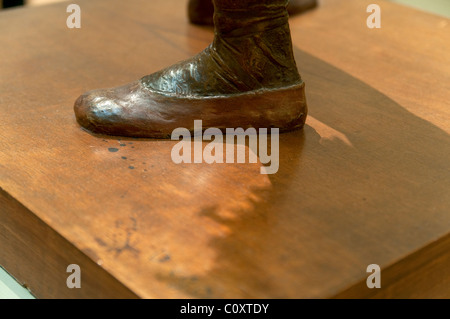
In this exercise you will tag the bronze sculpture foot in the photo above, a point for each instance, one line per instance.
(246, 78)
(201, 11)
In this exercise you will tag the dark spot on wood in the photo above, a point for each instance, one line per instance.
(123, 145)
(164, 259)
(131, 167)
(100, 242)
(119, 245)
(124, 157)
(113, 149)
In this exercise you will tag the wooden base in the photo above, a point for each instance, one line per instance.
(366, 182)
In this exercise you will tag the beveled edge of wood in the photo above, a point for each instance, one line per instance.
(24, 237)
(420, 275)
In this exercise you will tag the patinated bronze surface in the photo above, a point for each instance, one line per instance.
(246, 78)
(202, 11)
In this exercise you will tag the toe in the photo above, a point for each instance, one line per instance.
(81, 109)
(95, 110)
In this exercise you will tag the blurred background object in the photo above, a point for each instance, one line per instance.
(12, 3)
(440, 7)
(15, 3)
(41, 2)
(11, 289)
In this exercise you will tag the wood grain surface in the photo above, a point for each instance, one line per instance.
(366, 182)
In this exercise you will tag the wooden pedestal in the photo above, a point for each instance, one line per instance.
(366, 182)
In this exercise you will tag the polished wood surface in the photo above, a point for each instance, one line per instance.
(366, 182)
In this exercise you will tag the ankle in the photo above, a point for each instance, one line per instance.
(241, 18)
(263, 59)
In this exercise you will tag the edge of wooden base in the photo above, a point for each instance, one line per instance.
(424, 274)
(38, 257)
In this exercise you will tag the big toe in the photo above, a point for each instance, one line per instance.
(94, 110)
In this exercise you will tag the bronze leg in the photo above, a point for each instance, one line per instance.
(201, 11)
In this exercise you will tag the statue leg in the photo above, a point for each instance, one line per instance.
(201, 11)
(246, 78)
